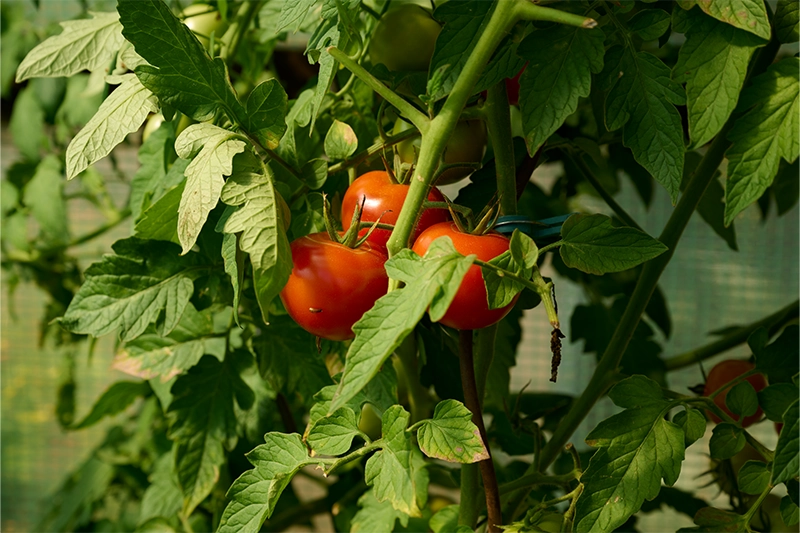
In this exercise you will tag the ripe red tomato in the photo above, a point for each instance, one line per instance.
(332, 286)
(469, 309)
(512, 87)
(385, 197)
(723, 373)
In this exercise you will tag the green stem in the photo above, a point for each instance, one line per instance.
(358, 454)
(752, 511)
(416, 117)
(536, 479)
(419, 398)
(484, 354)
(530, 11)
(773, 323)
(604, 194)
(470, 504)
(550, 246)
(237, 30)
(498, 118)
(730, 384)
(709, 404)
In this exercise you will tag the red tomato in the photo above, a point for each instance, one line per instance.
(384, 197)
(512, 87)
(469, 309)
(332, 286)
(723, 373)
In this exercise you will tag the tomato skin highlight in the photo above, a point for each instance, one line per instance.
(469, 309)
(331, 286)
(384, 200)
(723, 373)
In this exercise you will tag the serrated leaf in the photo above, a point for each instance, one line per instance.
(260, 221)
(179, 72)
(333, 434)
(787, 21)
(747, 15)
(713, 64)
(742, 399)
(726, 441)
(203, 423)
(254, 494)
(123, 112)
(638, 449)
(431, 281)
(160, 221)
(233, 260)
(649, 24)
(266, 112)
(753, 477)
(592, 244)
(341, 141)
(786, 464)
(780, 360)
(152, 356)
(762, 137)
(375, 516)
(114, 400)
(43, 195)
(693, 424)
(790, 512)
(451, 436)
(711, 520)
(776, 398)
(163, 496)
(391, 471)
(519, 259)
(641, 102)
(327, 34)
(292, 15)
(143, 283)
(154, 157)
(204, 175)
(87, 44)
(561, 62)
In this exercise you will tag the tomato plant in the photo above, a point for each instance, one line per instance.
(389, 367)
(470, 308)
(332, 285)
(382, 200)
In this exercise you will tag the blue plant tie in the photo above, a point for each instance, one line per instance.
(536, 229)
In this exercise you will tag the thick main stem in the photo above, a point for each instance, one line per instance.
(467, 366)
(498, 118)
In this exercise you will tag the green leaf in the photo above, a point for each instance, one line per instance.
(203, 423)
(260, 221)
(693, 424)
(713, 64)
(764, 135)
(211, 150)
(641, 99)
(144, 282)
(561, 60)
(88, 44)
(787, 21)
(786, 188)
(638, 449)
(43, 195)
(233, 259)
(114, 400)
(747, 15)
(292, 15)
(753, 477)
(786, 464)
(742, 399)
(150, 355)
(649, 24)
(341, 141)
(154, 156)
(392, 472)
(431, 281)
(333, 434)
(451, 436)
(254, 494)
(780, 361)
(591, 244)
(375, 516)
(776, 398)
(445, 520)
(327, 34)
(790, 512)
(713, 520)
(163, 496)
(123, 112)
(726, 441)
(159, 222)
(266, 112)
(180, 72)
(520, 259)
(711, 207)
(27, 124)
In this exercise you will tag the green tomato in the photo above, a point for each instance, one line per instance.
(466, 145)
(404, 38)
(155, 121)
(550, 522)
(203, 20)
(370, 422)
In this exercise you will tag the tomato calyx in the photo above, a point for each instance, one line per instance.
(350, 238)
(464, 219)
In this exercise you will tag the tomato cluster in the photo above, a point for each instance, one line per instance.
(332, 285)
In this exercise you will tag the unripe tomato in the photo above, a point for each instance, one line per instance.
(155, 121)
(466, 145)
(370, 422)
(202, 19)
(385, 197)
(723, 373)
(404, 38)
(331, 286)
(470, 308)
